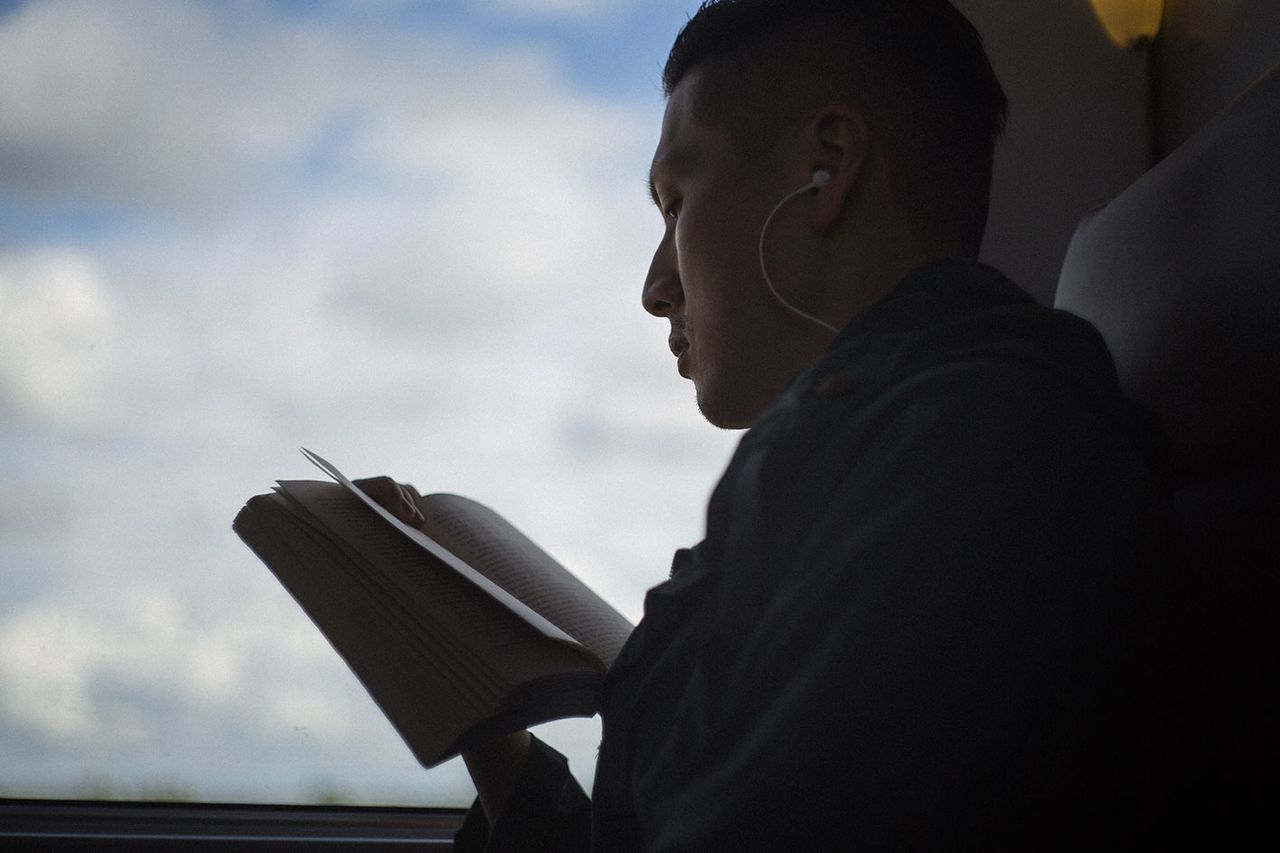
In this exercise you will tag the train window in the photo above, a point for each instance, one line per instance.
(411, 236)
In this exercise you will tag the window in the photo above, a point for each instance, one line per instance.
(409, 236)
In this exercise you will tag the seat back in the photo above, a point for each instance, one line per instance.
(1181, 274)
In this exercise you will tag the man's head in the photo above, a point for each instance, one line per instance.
(895, 98)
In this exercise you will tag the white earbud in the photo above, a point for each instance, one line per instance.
(820, 178)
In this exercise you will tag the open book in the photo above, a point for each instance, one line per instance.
(461, 631)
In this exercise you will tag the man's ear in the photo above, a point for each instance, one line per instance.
(840, 140)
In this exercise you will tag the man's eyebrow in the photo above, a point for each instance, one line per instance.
(670, 164)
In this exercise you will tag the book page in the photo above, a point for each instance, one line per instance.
(486, 549)
(441, 553)
(491, 544)
(445, 596)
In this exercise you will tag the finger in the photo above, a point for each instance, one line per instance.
(381, 489)
(409, 504)
(392, 497)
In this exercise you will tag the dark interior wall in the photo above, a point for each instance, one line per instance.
(1207, 52)
(1077, 131)
(1080, 129)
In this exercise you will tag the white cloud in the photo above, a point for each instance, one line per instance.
(95, 99)
(414, 257)
(478, 189)
(50, 657)
(175, 104)
(60, 337)
(138, 688)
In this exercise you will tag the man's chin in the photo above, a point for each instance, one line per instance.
(723, 413)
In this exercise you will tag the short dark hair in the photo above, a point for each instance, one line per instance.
(917, 68)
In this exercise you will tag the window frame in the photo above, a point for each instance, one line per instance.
(75, 825)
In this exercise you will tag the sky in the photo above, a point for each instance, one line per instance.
(408, 235)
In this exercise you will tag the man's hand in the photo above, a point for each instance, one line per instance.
(399, 499)
(495, 769)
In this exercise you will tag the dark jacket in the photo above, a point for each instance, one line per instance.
(926, 613)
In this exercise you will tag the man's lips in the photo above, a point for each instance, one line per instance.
(680, 349)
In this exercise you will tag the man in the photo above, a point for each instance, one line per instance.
(922, 614)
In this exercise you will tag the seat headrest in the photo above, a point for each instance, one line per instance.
(1181, 274)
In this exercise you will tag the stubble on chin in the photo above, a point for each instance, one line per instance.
(721, 407)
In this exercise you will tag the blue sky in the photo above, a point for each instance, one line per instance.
(607, 48)
(410, 236)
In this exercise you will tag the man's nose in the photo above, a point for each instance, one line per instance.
(663, 292)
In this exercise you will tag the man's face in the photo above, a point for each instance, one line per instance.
(726, 330)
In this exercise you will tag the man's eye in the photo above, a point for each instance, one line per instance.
(672, 210)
